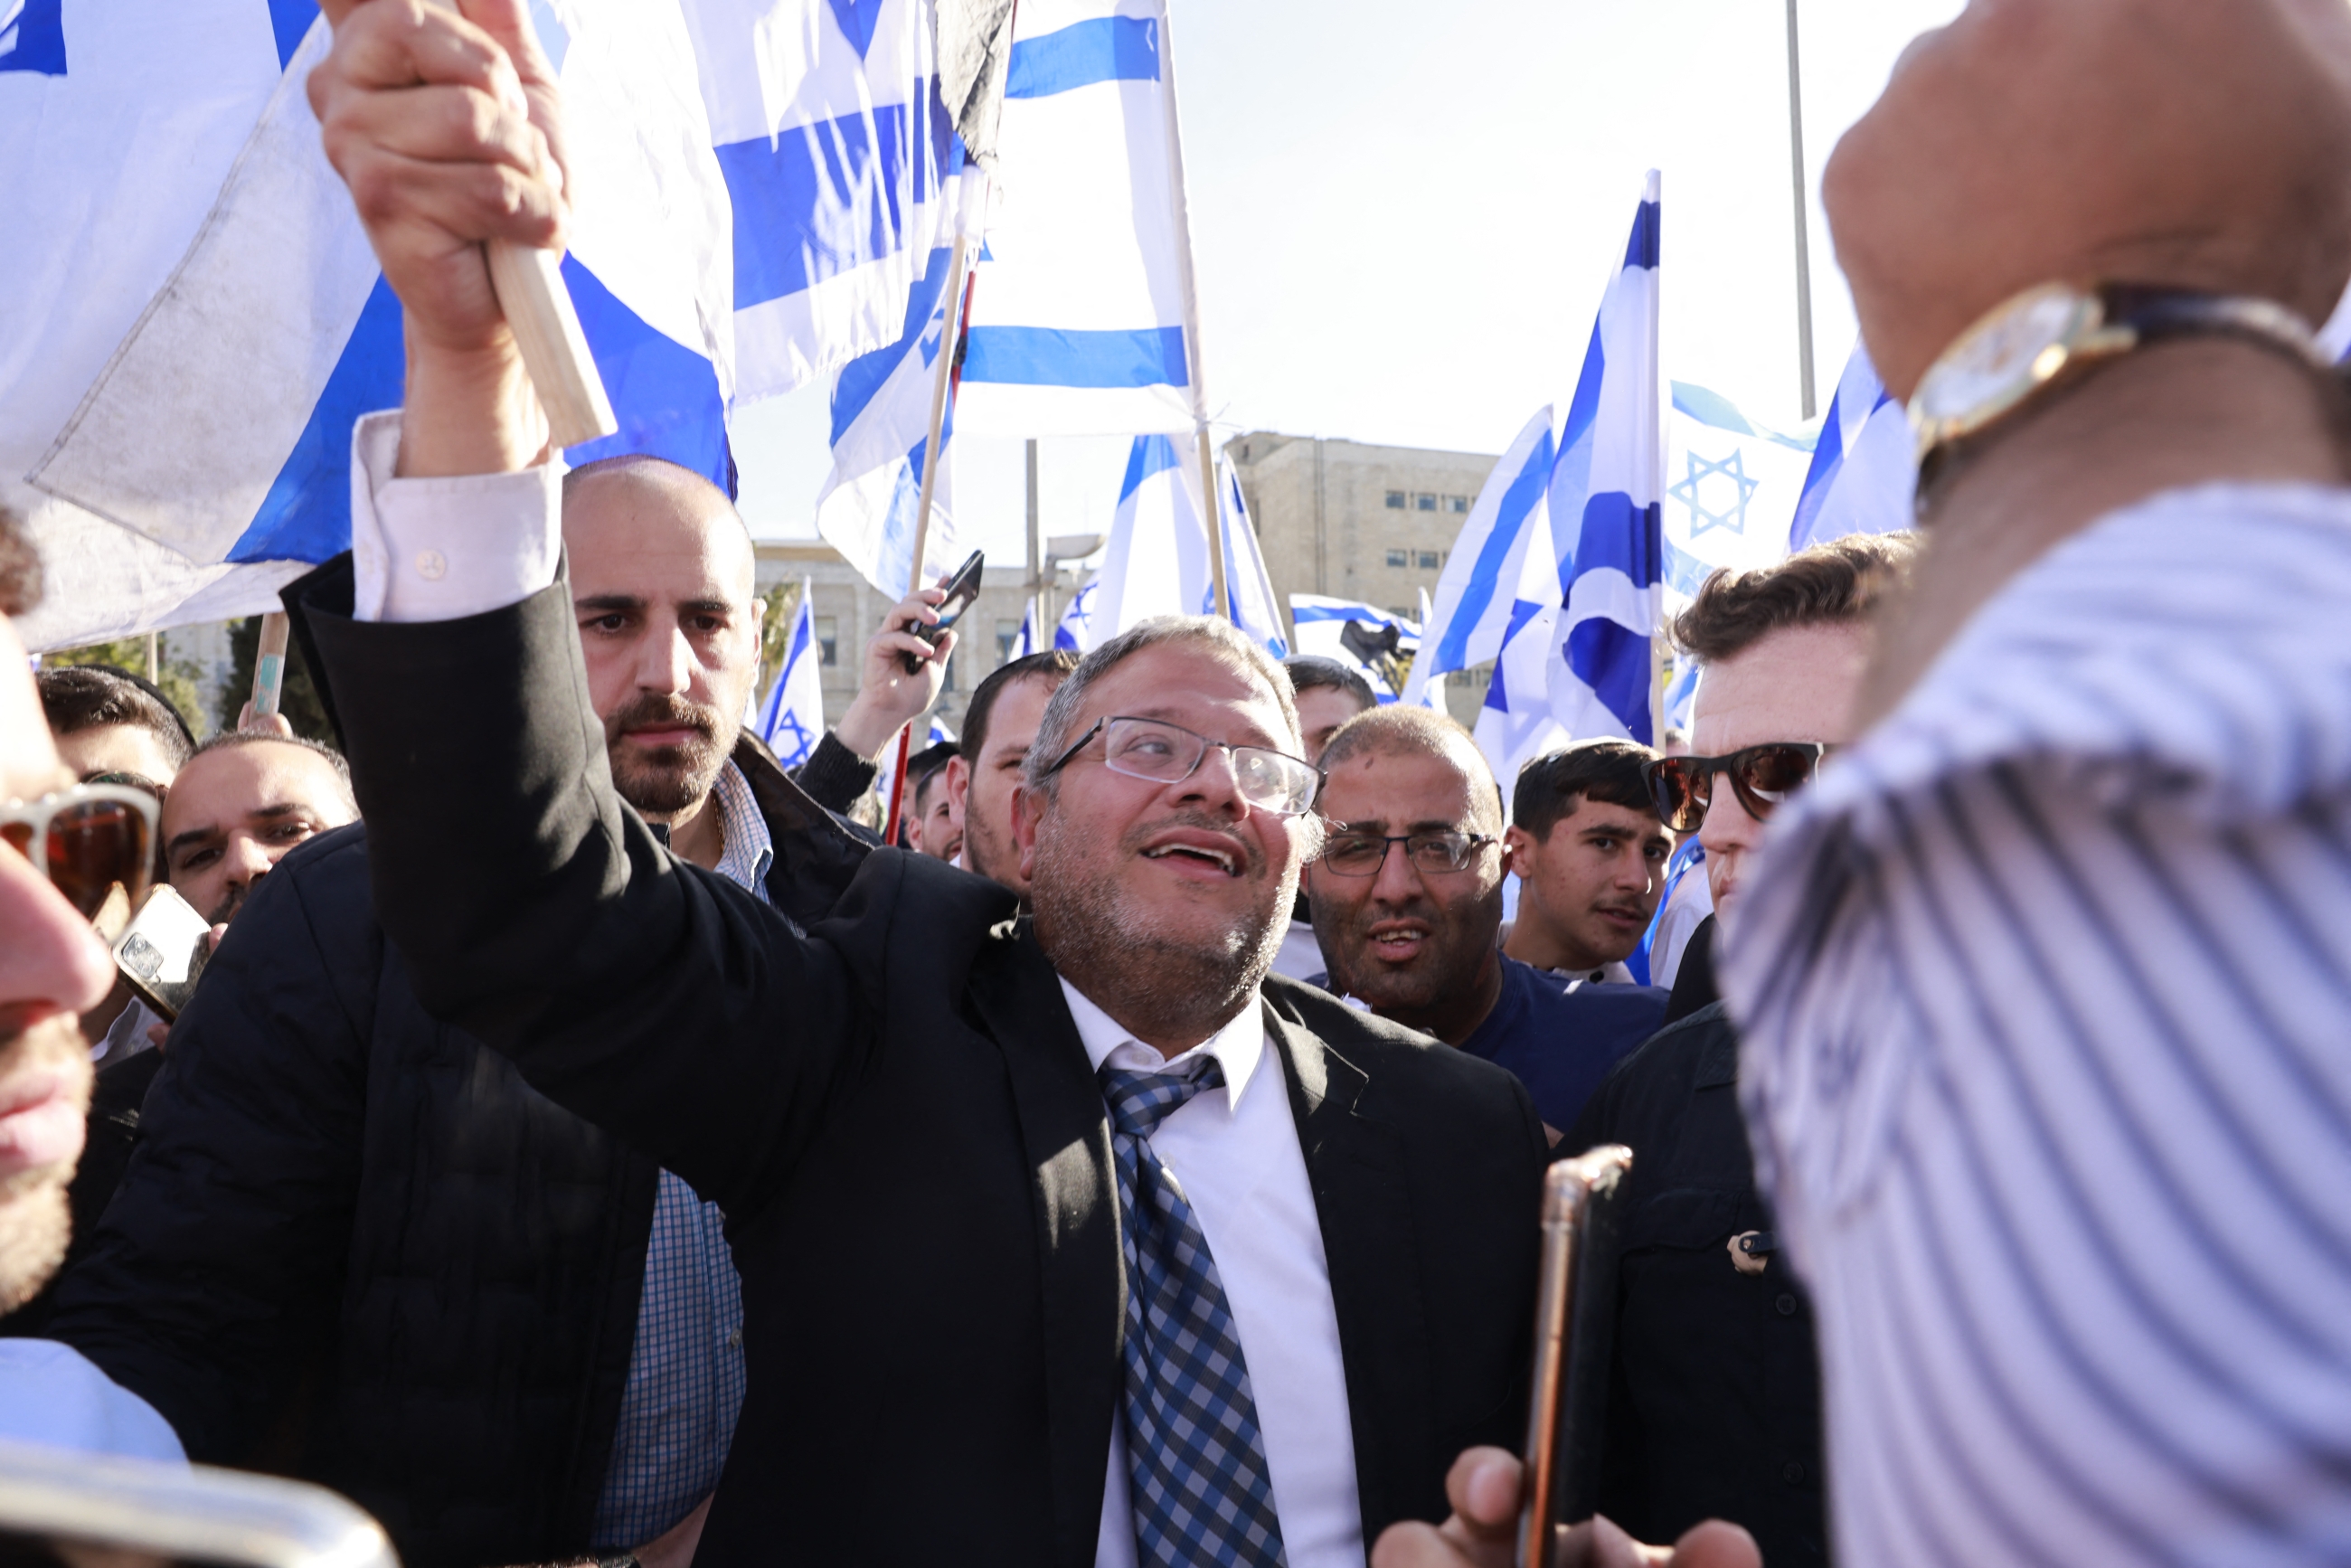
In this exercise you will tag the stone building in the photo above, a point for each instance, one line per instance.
(1355, 521)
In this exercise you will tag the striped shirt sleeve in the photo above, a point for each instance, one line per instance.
(2046, 1001)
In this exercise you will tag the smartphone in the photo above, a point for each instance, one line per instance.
(1576, 1324)
(162, 952)
(961, 589)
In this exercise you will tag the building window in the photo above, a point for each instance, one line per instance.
(1395, 500)
(1427, 561)
(1457, 502)
(828, 637)
(1008, 632)
(1399, 558)
(1423, 503)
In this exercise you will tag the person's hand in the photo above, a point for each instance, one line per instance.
(447, 127)
(888, 698)
(674, 1548)
(1485, 1488)
(253, 723)
(2198, 144)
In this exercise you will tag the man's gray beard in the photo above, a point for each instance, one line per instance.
(1112, 954)
(35, 1221)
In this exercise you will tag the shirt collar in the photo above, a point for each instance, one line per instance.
(1238, 1047)
(745, 850)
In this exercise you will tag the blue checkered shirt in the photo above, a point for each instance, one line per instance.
(687, 1374)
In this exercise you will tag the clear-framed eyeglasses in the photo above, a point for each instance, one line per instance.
(1167, 753)
(1363, 854)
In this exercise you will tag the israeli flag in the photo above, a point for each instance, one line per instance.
(1155, 562)
(1732, 489)
(1079, 305)
(1607, 517)
(1475, 595)
(1075, 630)
(835, 151)
(1255, 609)
(1025, 642)
(1865, 471)
(793, 721)
(1378, 644)
(871, 500)
(201, 318)
(1516, 722)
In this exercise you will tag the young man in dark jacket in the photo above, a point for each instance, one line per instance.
(354, 1245)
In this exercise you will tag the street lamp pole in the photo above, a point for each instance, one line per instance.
(1803, 247)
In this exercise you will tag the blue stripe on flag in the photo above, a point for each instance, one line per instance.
(1104, 49)
(289, 20)
(1614, 663)
(1049, 357)
(864, 376)
(786, 187)
(1150, 454)
(307, 515)
(664, 394)
(40, 35)
(1641, 250)
(1685, 573)
(1509, 518)
(1617, 534)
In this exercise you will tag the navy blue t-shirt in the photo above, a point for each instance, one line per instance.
(1561, 1043)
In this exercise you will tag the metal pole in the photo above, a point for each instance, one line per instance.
(1210, 507)
(1036, 555)
(1804, 216)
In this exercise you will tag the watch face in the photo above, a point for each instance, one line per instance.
(2005, 355)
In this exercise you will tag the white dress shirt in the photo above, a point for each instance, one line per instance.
(1236, 1152)
(436, 549)
(2044, 991)
(52, 1394)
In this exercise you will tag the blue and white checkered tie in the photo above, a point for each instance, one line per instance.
(1201, 1491)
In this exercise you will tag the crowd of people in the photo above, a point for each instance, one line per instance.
(589, 1142)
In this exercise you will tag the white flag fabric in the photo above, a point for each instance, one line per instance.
(201, 319)
(1078, 305)
(1515, 722)
(1426, 689)
(1256, 611)
(1864, 470)
(793, 721)
(1606, 517)
(1731, 489)
(1476, 589)
(1155, 562)
(1344, 629)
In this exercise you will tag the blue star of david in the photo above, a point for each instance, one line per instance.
(788, 725)
(1702, 519)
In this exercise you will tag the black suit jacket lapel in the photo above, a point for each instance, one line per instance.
(1355, 1164)
(1066, 1133)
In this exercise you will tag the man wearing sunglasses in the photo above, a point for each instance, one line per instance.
(1717, 1413)
(64, 849)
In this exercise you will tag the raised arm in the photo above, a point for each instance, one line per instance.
(536, 910)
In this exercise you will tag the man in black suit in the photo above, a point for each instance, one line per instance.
(1068, 1241)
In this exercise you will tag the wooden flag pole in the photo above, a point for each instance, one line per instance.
(950, 334)
(269, 665)
(529, 282)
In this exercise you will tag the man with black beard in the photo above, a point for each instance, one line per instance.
(354, 1245)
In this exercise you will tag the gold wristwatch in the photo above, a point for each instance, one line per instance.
(2050, 336)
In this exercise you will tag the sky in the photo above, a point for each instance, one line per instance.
(1403, 214)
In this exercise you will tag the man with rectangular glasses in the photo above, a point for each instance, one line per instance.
(1408, 900)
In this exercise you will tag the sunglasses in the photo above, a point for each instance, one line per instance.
(1760, 776)
(88, 840)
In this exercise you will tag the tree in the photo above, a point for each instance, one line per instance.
(299, 696)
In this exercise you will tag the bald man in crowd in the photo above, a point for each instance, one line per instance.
(315, 1143)
(1408, 900)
